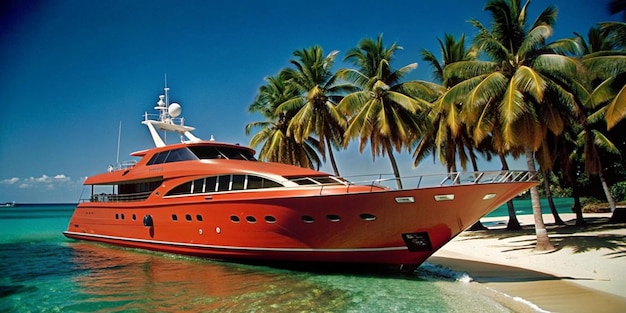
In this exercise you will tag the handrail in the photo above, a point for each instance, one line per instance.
(124, 165)
(434, 180)
(110, 197)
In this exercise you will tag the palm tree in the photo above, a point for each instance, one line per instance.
(610, 67)
(508, 94)
(447, 136)
(315, 101)
(384, 111)
(596, 91)
(277, 145)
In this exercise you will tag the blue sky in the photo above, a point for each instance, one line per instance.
(72, 70)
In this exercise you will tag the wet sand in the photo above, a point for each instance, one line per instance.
(586, 273)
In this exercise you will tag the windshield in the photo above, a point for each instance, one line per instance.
(212, 152)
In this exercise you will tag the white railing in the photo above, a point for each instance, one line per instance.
(434, 180)
(111, 197)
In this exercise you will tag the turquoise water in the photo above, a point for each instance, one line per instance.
(522, 207)
(42, 271)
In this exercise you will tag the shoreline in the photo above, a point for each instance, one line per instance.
(585, 272)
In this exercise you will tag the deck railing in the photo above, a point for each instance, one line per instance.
(110, 197)
(434, 180)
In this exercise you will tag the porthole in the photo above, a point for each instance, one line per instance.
(188, 217)
(117, 216)
(174, 217)
(234, 218)
(250, 219)
(333, 218)
(134, 217)
(307, 219)
(270, 219)
(122, 215)
(199, 218)
(368, 217)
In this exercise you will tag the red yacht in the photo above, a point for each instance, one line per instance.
(215, 200)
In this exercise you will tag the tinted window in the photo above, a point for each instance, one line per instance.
(224, 183)
(211, 152)
(314, 180)
(221, 183)
(303, 181)
(183, 189)
(255, 182)
(180, 155)
(236, 154)
(238, 182)
(205, 152)
(172, 156)
(210, 184)
(160, 158)
(198, 185)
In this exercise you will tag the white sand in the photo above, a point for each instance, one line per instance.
(593, 257)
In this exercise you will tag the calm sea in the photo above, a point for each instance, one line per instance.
(42, 271)
(563, 205)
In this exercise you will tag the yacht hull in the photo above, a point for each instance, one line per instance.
(391, 227)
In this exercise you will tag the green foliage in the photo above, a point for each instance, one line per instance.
(554, 98)
(618, 191)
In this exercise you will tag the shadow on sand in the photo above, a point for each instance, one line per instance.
(593, 236)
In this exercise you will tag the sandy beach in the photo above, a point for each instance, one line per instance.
(586, 272)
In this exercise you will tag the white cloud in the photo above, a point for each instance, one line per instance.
(10, 181)
(61, 177)
(44, 180)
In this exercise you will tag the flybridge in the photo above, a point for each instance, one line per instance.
(168, 115)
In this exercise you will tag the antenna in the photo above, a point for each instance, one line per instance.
(119, 136)
(166, 89)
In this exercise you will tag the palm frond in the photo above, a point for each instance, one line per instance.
(555, 63)
(616, 110)
(603, 142)
(466, 69)
(605, 64)
(567, 46)
(434, 63)
(530, 82)
(511, 108)
(491, 87)
(534, 40)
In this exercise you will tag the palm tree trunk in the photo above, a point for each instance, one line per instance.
(578, 209)
(332, 157)
(394, 164)
(543, 241)
(555, 213)
(513, 223)
(607, 192)
(478, 225)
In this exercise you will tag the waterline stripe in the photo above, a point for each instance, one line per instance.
(192, 245)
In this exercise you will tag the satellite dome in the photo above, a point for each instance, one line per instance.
(174, 109)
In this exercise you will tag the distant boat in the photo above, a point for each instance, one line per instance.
(9, 204)
(215, 200)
